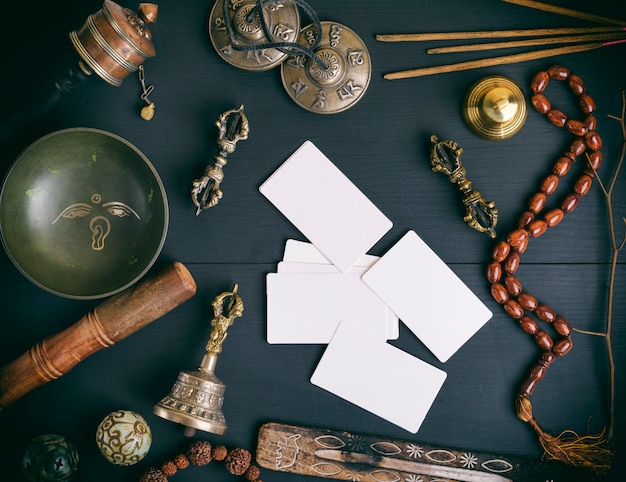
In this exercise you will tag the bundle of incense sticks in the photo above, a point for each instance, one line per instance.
(572, 40)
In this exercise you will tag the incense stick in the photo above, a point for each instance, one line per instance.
(532, 32)
(566, 11)
(526, 43)
(508, 59)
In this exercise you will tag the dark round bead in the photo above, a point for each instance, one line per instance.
(539, 82)
(501, 251)
(557, 117)
(558, 72)
(540, 103)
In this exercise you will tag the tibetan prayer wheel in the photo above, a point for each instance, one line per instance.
(114, 41)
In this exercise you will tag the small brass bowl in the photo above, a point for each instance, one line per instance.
(83, 213)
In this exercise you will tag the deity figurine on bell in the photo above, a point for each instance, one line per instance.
(197, 396)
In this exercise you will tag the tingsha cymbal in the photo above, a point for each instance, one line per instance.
(343, 78)
(241, 20)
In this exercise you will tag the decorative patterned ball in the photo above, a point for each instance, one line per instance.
(123, 437)
(50, 458)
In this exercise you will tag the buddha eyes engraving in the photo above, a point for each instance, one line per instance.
(99, 225)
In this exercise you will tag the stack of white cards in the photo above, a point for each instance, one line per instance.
(330, 291)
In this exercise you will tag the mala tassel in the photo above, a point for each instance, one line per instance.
(589, 451)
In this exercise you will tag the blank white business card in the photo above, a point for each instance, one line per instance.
(302, 252)
(305, 308)
(393, 323)
(378, 377)
(325, 206)
(427, 296)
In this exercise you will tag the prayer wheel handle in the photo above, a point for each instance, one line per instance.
(112, 43)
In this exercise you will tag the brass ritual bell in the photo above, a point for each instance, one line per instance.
(197, 396)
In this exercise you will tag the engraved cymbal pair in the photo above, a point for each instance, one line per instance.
(325, 66)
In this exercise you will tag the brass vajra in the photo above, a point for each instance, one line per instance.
(233, 127)
(481, 215)
(223, 316)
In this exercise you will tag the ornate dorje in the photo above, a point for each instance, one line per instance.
(233, 127)
(481, 215)
(226, 307)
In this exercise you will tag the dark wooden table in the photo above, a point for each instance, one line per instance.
(382, 145)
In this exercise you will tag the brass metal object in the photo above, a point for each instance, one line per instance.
(494, 108)
(83, 213)
(114, 41)
(147, 112)
(481, 215)
(242, 21)
(197, 396)
(233, 127)
(343, 81)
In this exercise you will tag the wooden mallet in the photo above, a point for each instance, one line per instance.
(111, 321)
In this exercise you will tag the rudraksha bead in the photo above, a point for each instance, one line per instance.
(237, 461)
(199, 453)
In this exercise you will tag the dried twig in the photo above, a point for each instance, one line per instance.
(616, 247)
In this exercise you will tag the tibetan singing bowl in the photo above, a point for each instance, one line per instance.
(83, 213)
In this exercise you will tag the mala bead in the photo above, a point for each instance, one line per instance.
(512, 263)
(501, 251)
(537, 228)
(528, 301)
(595, 159)
(512, 285)
(593, 140)
(557, 117)
(237, 461)
(576, 148)
(518, 239)
(525, 219)
(537, 202)
(169, 468)
(220, 452)
(499, 293)
(528, 324)
(576, 127)
(540, 82)
(583, 184)
(576, 84)
(569, 203)
(543, 340)
(558, 72)
(153, 475)
(549, 184)
(494, 272)
(587, 104)
(562, 327)
(562, 166)
(563, 346)
(553, 217)
(545, 313)
(181, 461)
(199, 453)
(252, 473)
(513, 309)
(540, 103)
(591, 122)
(536, 374)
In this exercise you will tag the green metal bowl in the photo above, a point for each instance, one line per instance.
(83, 213)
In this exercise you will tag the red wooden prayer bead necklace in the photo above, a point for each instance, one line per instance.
(506, 289)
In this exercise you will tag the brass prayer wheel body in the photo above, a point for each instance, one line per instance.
(114, 41)
(494, 108)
